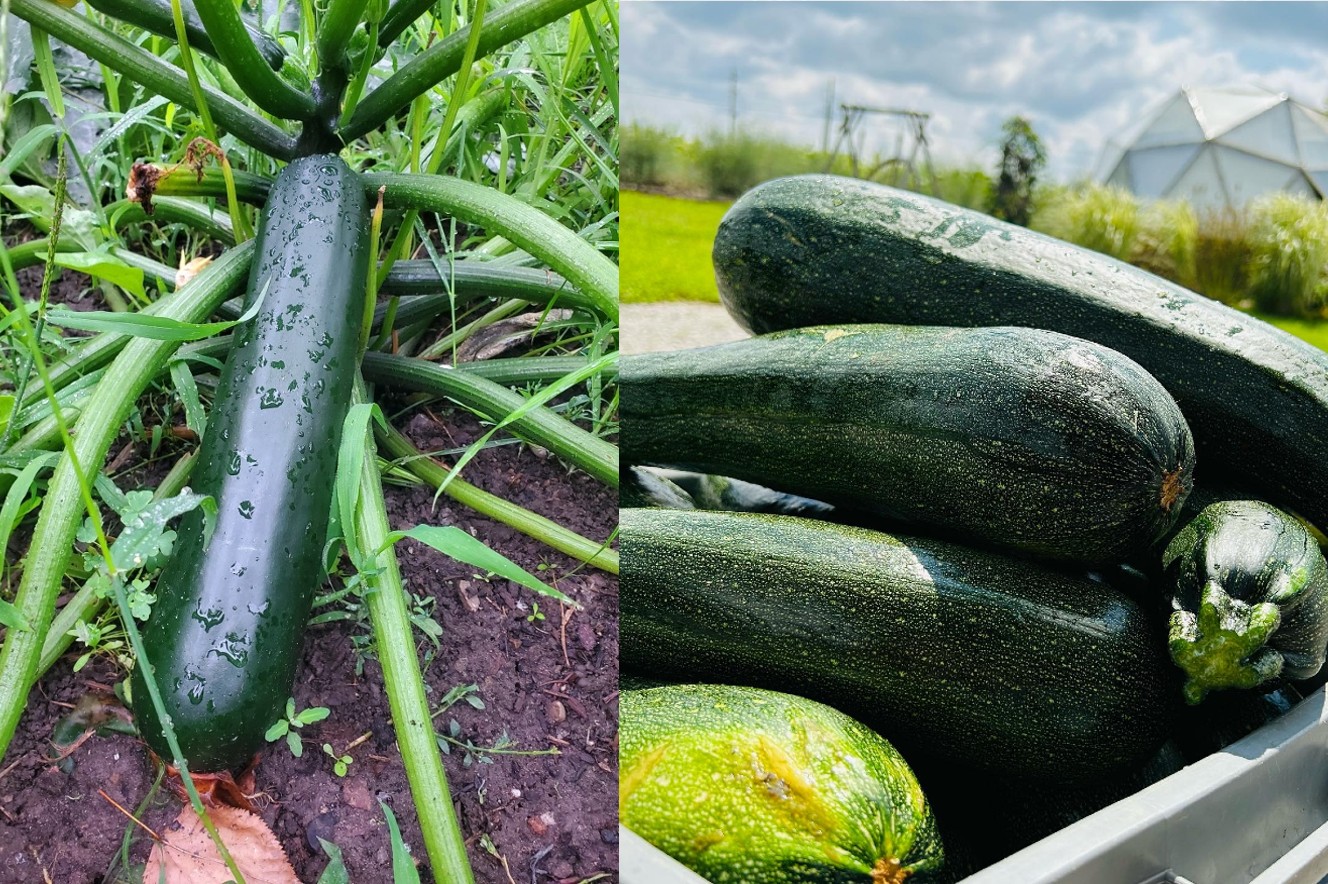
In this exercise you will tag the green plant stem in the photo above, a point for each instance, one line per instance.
(594, 275)
(398, 447)
(448, 343)
(53, 538)
(335, 30)
(492, 402)
(187, 62)
(507, 23)
(154, 74)
(399, 16)
(156, 16)
(183, 181)
(89, 599)
(236, 50)
(386, 601)
(472, 280)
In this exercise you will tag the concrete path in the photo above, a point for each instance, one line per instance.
(675, 325)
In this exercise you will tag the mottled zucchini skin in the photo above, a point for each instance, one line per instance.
(1014, 437)
(820, 249)
(746, 785)
(990, 661)
(225, 633)
(1249, 589)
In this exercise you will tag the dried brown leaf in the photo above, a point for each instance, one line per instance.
(187, 855)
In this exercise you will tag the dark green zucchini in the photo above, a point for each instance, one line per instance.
(156, 16)
(749, 785)
(225, 633)
(1021, 438)
(994, 662)
(819, 249)
(1249, 588)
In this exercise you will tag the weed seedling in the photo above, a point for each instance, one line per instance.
(289, 727)
(340, 763)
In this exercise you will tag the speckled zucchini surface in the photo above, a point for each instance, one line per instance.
(992, 661)
(820, 249)
(1014, 437)
(746, 785)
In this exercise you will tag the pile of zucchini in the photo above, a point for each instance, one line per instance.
(946, 490)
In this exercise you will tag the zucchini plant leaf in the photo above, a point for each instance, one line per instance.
(79, 225)
(106, 267)
(452, 541)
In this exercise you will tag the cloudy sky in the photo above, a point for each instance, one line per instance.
(1084, 73)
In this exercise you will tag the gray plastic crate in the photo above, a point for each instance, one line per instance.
(1254, 813)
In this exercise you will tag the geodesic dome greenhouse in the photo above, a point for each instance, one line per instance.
(1219, 148)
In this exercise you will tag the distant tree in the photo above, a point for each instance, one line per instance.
(1022, 158)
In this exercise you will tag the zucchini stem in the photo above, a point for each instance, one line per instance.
(386, 601)
(492, 402)
(429, 471)
(527, 227)
(154, 74)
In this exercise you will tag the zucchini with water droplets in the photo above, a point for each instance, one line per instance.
(225, 633)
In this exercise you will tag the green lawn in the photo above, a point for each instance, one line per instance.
(1314, 332)
(665, 243)
(666, 256)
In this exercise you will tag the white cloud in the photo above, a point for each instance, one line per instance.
(1084, 73)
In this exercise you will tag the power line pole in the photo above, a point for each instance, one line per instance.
(829, 115)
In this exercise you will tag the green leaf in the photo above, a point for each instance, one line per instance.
(41, 47)
(350, 461)
(452, 541)
(106, 267)
(403, 867)
(277, 731)
(13, 617)
(33, 140)
(183, 379)
(314, 714)
(335, 873)
(296, 744)
(18, 493)
(79, 225)
(157, 328)
(144, 542)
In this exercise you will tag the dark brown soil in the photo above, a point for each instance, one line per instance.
(547, 683)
